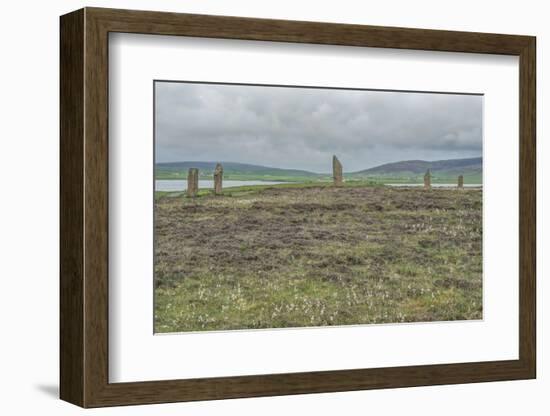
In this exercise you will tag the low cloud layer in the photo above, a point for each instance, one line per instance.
(302, 128)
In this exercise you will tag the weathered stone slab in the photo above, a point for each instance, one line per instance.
(192, 182)
(337, 174)
(218, 179)
(428, 180)
(460, 182)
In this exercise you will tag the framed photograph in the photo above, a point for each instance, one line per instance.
(254, 207)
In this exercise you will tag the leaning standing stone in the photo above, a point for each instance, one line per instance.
(337, 172)
(428, 180)
(192, 182)
(218, 178)
(460, 182)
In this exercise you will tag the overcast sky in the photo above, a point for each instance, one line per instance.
(302, 128)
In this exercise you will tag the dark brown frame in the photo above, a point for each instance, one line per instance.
(84, 208)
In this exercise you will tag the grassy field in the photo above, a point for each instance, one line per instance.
(470, 178)
(443, 178)
(243, 177)
(294, 255)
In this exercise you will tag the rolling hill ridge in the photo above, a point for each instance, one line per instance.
(402, 171)
(420, 166)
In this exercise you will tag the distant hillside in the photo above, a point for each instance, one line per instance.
(420, 166)
(232, 170)
(409, 171)
(413, 170)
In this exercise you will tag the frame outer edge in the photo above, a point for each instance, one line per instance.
(528, 208)
(295, 31)
(84, 241)
(71, 290)
(96, 209)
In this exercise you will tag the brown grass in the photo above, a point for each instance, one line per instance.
(315, 256)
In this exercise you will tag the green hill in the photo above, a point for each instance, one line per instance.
(408, 171)
(236, 171)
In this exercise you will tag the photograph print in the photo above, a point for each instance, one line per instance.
(294, 206)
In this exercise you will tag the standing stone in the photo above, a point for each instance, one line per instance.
(460, 182)
(337, 172)
(192, 182)
(218, 178)
(428, 180)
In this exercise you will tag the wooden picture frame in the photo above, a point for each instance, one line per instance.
(84, 207)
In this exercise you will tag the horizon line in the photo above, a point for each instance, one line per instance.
(308, 171)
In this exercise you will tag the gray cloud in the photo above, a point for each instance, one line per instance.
(302, 127)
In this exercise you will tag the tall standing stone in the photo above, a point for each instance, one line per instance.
(218, 179)
(460, 182)
(428, 180)
(192, 182)
(337, 172)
